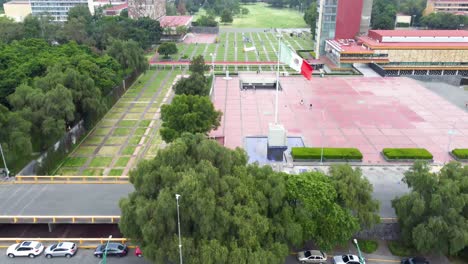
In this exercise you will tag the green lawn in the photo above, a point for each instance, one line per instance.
(262, 15)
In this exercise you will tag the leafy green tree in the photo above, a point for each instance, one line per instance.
(383, 14)
(414, 8)
(206, 21)
(355, 193)
(10, 30)
(244, 11)
(195, 84)
(443, 21)
(433, 216)
(188, 113)
(310, 17)
(129, 55)
(314, 199)
(14, 136)
(226, 16)
(181, 30)
(229, 210)
(167, 48)
(197, 65)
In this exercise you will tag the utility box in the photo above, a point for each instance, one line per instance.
(277, 142)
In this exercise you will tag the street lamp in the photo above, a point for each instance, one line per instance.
(104, 257)
(4, 162)
(177, 196)
(361, 258)
(321, 129)
(212, 61)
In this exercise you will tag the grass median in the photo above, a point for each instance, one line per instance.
(328, 154)
(460, 153)
(407, 154)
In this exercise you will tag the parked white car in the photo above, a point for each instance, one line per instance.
(30, 249)
(312, 256)
(62, 249)
(346, 259)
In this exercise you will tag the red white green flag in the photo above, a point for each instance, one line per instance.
(296, 62)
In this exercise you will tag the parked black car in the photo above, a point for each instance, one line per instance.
(113, 249)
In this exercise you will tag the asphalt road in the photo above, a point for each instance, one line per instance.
(62, 199)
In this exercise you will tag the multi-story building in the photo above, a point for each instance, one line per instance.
(17, 9)
(338, 19)
(154, 9)
(405, 52)
(457, 7)
(57, 9)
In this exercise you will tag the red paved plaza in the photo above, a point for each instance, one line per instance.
(367, 113)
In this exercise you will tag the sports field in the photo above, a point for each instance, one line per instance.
(230, 47)
(261, 15)
(128, 132)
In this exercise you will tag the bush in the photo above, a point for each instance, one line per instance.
(402, 25)
(397, 248)
(406, 153)
(460, 153)
(368, 246)
(328, 153)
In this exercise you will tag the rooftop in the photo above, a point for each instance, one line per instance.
(349, 46)
(374, 44)
(117, 7)
(420, 33)
(175, 21)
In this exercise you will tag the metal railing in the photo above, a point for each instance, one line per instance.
(70, 179)
(36, 219)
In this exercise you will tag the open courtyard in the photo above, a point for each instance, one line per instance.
(367, 113)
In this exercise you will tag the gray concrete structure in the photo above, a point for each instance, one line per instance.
(62, 199)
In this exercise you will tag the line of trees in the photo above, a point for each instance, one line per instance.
(53, 75)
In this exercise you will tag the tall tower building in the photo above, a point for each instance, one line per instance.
(153, 9)
(341, 19)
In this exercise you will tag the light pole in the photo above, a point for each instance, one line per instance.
(450, 133)
(104, 257)
(321, 129)
(177, 196)
(412, 20)
(361, 258)
(4, 162)
(212, 62)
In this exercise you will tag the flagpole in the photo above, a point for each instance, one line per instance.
(277, 80)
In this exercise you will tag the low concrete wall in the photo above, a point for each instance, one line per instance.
(449, 79)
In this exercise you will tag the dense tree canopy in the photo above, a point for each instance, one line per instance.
(229, 210)
(226, 16)
(195, 84)
(310, 17)
(167, 48)
(434, 216)
(197, 65)
(383, 14)
(443, 21)
(188, 113)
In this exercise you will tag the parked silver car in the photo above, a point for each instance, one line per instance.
(312, 256)
(62, 249)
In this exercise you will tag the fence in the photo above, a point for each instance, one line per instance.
(49, 159)
(59, 219)
(70, 179)
(204, 30)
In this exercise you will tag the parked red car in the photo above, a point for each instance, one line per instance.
(138, 252)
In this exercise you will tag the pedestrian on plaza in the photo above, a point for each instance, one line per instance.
(302, 101)
(310, 106)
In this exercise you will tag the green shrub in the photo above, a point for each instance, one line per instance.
(328, 153)
(406, 153)
(402, 24)
(460, 153)
(397, 248)
(368, 246)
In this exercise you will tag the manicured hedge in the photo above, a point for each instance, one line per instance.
(460, 153)
(328, 153)
(406, 153)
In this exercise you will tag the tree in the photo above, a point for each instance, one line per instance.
(167, 48)
(230, 210)
(226, 16)
(181, 30)
(188, 113)
(314, 199)
(414, 8)
(433, 216)
(443, 21)
(129, 55)
(206, 21)
(197, 65)
(181, 8)
(310, 17)
(383, 14)
(194, 85)
(355, 193)
(10, 30)
(244, 11)
(14, 136)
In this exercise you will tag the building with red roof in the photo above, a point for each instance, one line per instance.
(397, 52)
(115, 10)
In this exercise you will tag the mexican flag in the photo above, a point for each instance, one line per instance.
(289, 57)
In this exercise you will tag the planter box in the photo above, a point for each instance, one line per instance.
(457, 158)
(324, 160)
(403, 160)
